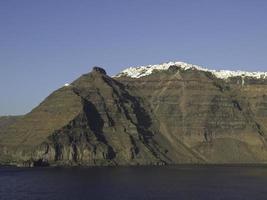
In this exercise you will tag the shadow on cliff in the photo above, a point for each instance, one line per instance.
(96, 124)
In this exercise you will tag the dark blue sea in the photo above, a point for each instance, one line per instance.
(122, 183)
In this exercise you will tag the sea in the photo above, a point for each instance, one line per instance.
(134, 183)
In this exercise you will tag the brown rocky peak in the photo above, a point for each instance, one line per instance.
(99, 70)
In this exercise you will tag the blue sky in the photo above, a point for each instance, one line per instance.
(44, 44)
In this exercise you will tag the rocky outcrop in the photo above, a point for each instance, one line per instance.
(170, 116)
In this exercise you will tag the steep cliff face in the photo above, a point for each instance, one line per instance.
(220, 120)
(163, 115)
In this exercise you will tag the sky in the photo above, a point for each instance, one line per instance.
(45, 44)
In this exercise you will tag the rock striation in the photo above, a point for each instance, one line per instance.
(173, 113)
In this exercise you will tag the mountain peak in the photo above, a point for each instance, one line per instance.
(141, 71)
(99, 70)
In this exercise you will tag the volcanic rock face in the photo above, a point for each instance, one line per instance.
(163, 114)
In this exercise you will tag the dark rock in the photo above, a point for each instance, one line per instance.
(174, 68)
(99, 70)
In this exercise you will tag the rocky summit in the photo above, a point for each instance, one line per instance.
(172, 113)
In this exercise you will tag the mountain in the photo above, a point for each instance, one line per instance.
(172, 113)
(7, 120)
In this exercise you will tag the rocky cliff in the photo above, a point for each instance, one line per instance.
(173, 113)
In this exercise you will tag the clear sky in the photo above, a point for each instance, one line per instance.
(46, 43)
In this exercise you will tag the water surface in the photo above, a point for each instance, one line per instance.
(173, 182)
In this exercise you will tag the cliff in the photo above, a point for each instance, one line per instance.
(173, 113)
